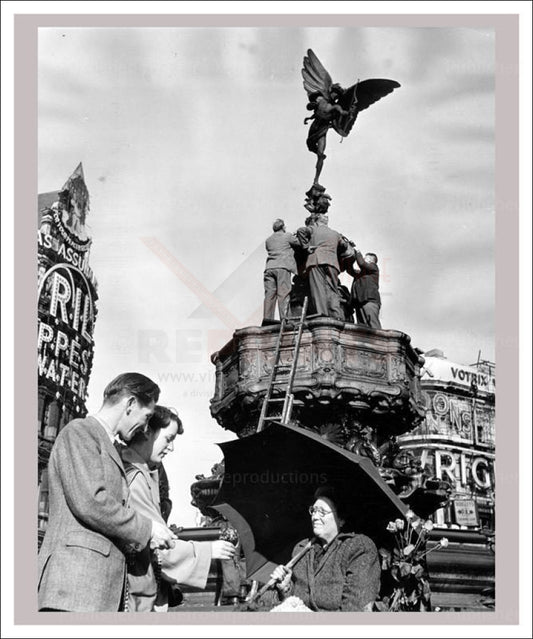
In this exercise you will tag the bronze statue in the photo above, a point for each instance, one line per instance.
(317, 200)
(334, 106)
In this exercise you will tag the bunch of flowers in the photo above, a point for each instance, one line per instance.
(406, 564)
(229, 533)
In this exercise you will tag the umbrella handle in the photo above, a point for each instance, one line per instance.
(288, 566)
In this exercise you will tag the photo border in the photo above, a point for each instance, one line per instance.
(506, 250)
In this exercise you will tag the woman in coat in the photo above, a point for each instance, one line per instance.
(340, 572)
(152, 572)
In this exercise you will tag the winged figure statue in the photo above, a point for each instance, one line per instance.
(333, 106)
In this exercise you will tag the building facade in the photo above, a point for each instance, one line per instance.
(456, 441)
(67, 294)
(455, 444)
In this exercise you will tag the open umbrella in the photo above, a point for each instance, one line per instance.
(269, 482)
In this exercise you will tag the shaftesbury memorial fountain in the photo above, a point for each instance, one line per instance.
(354, 385)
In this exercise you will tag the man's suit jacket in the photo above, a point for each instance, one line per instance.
(280, 251)
(365, 286)
(325, 243)
(91, 524)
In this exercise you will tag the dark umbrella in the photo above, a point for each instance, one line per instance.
(268, 486)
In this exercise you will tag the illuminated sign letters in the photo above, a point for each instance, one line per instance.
(66, 320)
(460, 468)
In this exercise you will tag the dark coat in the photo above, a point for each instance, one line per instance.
(345, 578)
(365, 286)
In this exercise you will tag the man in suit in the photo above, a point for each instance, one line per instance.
(366, 299)
(280, 265)
(91, 524)
(323, 268)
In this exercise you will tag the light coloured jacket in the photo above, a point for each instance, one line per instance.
(280, 248)
(186, 563)
(324, 247)
(91, 524)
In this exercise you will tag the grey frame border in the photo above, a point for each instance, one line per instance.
(506, 249)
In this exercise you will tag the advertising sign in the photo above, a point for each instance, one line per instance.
(65, 330)
(439, 369)
(465, 512)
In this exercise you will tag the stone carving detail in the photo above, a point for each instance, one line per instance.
(229, 378)
(324, 356)
(397, 369)
(286, 357)
(362, 443)
(266, 359)
(365, 364)
(304, 359)
(249, 365)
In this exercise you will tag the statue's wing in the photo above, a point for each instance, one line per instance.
(370, 91)
(359, 97)
(316, 78)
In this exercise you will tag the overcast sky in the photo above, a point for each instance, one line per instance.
(192, 142)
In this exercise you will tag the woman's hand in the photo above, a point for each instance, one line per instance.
(283, 577)
(222, 549)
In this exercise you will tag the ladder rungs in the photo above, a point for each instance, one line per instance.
(289, 325)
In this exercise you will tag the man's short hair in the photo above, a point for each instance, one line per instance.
(142, 387)
(373, 256)
(278, 225)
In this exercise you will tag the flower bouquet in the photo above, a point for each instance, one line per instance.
(406, 565)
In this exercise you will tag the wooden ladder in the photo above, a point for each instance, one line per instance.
(292, 325)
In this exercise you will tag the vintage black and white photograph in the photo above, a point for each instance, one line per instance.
(266, 260)
(266, 339)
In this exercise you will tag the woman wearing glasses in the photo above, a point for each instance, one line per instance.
(151, 572)
(341, 570)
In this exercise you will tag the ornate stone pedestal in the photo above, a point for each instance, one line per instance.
(349, 378)
(355, 386)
